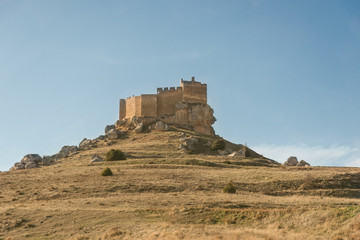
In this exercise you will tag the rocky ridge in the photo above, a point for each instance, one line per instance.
(188, 144)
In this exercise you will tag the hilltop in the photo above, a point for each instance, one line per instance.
(164, 191)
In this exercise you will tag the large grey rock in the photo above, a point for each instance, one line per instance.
(67, 151)
(96, 158)
(113, 134)
(27, 162)
(291, 161)
(47, 160)
(18, 166)
(302, 163)
(36, 158)
(108, 128)
(139, 127)
(159, 125)
(31, 165)
(85, 144)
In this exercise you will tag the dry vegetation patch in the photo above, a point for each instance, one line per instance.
(159, 192)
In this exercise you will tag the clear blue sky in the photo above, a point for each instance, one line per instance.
(283, 76)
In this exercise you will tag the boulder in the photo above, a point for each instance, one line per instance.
(139, 128)
(36, 158)
(31, 165)
(302, 163)
(108, 128)
(159, 125)
(113, 134)
(96, 158)
(47, 160)
(85, 144)
(18, 166)
(291, 161)
(67, 151)
(101, 137)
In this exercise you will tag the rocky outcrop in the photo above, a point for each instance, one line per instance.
(47, 160)
(35, 158)
(17, 166)
(67, 151)
(85, 144)
(108, 128)
(302, 163)
(196, 116)
(113, 134)
(291, 161)
(139, 127)
(27, 162)
(187, 144)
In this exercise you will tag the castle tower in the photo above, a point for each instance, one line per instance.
(193, 91)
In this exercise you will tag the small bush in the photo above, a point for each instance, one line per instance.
(229, 188)
(218, 145)
(114, 155)
(106, 172)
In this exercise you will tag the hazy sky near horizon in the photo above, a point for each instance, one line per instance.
(283, 76)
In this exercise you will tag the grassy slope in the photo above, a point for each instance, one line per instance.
(161, 193)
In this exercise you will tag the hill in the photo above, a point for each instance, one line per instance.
(163, 192)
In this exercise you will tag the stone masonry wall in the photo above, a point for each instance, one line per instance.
(149, 103)
(167, 100)
(194, 92)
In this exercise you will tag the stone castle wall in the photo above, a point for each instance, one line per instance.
(194, 92)
(163, 103)
(148, 106)
(167, 98)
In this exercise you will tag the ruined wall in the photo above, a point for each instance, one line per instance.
(194, 92)
(149, 105)
(166, 100)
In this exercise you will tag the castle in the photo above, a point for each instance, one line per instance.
(185, 106)
(163, 103)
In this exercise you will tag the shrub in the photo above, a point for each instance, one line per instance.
(114, 155)
(106, 172)
(229, 188)
(218, 145)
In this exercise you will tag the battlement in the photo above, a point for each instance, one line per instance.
(192, 83)
(166, 89)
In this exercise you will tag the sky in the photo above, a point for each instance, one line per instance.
(283, 76)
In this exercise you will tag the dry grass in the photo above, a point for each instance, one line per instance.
(161, 193)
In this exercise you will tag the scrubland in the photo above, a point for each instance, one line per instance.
(159, 192)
